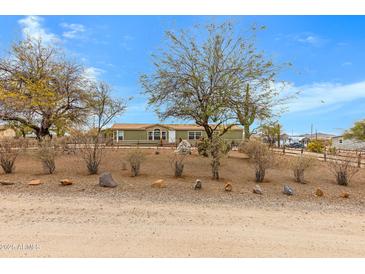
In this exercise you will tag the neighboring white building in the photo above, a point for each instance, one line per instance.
(340, 143)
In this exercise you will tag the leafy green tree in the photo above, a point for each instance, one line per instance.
(39, 88)
(356, 132)
(272, 133)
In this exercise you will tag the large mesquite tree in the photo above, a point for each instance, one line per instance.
(194, 77)
(40, 89)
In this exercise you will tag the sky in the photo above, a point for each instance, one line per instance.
(327, 53)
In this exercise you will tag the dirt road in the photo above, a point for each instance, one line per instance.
(32, 226)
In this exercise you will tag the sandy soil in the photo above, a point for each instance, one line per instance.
(135, 220)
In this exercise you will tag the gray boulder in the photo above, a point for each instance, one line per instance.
(288, 190)
(106, 180)
(257, 190)
(197, 184)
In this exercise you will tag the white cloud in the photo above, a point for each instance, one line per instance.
(93, 73)
(72, 30)
(309, 39)
(346, 64)
(32, 27)
(324, 95)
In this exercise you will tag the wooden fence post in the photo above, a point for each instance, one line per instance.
(325, 156)
(284, 149)
(359, 160)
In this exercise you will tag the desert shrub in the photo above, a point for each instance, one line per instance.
(299, 165)
(9, 151)
(203, 146)
(260, 155)
(217, 148)
(316, 146)
(91, 151)
(47, 151)
(177, 164)
(343, 170)
(179, 156)
(332, 151)
(135, 157)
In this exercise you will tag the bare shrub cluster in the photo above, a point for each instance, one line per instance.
(343, 170)
(135, 158)
(261, 157)
(47, 152)
(9, 151)
(91, 151)
(217, 149)
(177, 163)
(299, 165)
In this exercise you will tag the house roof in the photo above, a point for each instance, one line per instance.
(168, 126)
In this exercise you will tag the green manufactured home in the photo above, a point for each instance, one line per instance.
(166, 133)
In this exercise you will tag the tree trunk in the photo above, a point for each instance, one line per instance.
(42, 133)
(247, 132)
(342, 178)
(260, 175)
(179, 168)
(299, 175)
(215, 168)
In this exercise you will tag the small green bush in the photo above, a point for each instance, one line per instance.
(316, 146)
(203, 147)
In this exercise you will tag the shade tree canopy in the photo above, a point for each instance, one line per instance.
(40, 88)
(195, 75)
(357, 131)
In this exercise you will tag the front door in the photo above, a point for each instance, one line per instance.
(172, 136)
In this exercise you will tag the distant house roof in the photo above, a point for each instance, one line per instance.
(318, 135)
(168, 126)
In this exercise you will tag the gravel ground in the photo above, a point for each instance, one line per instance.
(84, 220)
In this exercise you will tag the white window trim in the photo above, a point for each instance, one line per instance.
(117, 135)
(153, 135)
(195, 131)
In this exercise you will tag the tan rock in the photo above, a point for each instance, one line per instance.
(66, 182)
(345, 195)
(319, 192)
(35, 182)
(228, 187)
(159, 184)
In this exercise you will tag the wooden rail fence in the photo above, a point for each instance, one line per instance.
(353, 156)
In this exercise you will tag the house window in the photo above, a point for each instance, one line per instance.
(120, 135)
(194, 135)
(340, 141)
(156, 134)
